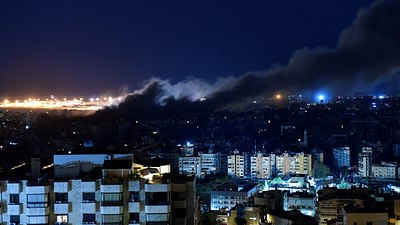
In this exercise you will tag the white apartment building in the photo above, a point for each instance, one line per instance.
(384, 170)
(190, 165)
(236, 164)
(210, 162)
(365, 162)
(227, 196)
(304, 202)
(123, 193)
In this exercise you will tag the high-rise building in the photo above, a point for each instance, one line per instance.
(190, 165)
(365, 162)
(295, 163)
(236, 164)
(101, 189)
(210, 162)
(262, 166)
(341, 157)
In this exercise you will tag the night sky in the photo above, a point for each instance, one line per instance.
(71, 48)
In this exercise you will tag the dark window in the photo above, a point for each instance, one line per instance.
(369, 223)
(88, 197)
(89, 217)
(61, 197)
(180, 213)
(180, 196)
(14, 198)
(157, 198)
(134, 196)
(134, 217)
(14, 219)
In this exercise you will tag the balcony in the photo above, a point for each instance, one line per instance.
(37, 220)
(88, 207)
(111, 188)
(134, 207)
(37, 211)
(157, 187)
(61, 207)
(61, 187)
(118, 209)
(14, 188)
(157, 209)
(14, 209)
(88, 186)
(157, 217)
(134, 185)
(37, 188)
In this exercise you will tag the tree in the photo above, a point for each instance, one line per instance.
(209, 218)
(320, 170)
(240, 221)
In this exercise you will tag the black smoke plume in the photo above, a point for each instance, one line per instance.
(367, 52)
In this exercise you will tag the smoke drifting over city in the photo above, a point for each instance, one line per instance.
(367, 52)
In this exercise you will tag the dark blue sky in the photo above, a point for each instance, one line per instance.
(90, 47)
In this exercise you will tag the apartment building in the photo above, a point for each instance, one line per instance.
(228, 196)
(236, 164)
(294, 163)
(190, 165)
(384, 170)
(101, 189)
(210, 162)
(262, 166)
(341, 157)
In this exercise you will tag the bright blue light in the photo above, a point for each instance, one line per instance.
(188, 144)
(381, 97)
(321, 96)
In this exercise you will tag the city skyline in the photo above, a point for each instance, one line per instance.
(70, 49)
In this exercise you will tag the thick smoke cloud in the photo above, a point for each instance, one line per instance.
(367, 52)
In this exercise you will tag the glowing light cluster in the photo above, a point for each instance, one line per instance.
(90, 104)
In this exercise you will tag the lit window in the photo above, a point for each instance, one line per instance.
(62, 218)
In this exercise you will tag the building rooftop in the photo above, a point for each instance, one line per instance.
(366, 207)
(117, 164)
